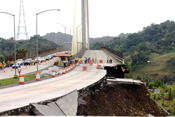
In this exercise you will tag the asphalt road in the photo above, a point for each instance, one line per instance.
(101, 55)
(22, 95)
(25, 70)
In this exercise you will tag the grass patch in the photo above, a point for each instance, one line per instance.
(11, 81)
(169, 105)
(159, 67)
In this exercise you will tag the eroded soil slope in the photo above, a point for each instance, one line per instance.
(117, 100)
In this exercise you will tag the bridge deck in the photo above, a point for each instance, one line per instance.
(22, 95)
(101, 55)
(25, 70)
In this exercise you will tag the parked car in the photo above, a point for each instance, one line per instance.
(43, 59)
(28, 62)
(39, 60)
(51, 56)
(20, 61)
(17, 65)
(48, 57)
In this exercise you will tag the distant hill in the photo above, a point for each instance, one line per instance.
(138, 47)
(60, 38)
(7, 45)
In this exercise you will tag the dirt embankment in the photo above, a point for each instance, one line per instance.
(117, 100)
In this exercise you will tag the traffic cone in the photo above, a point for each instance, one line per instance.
(21, 79)
(68, 68)
(77, 64)
(37, 76)
(64, 71)
(53, 73)
(60, 71)
(98, 66)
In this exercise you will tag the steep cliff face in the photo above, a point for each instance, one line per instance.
(117, 100)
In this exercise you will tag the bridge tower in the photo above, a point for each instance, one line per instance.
(85, 24)
(22, 30)
(81, 26)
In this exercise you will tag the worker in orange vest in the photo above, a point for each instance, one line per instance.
(34, 62)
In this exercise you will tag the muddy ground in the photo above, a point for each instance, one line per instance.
(117, 100)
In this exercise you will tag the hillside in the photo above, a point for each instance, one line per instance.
(156, 38)
(157, 68)
(7, 45)
(62, 38)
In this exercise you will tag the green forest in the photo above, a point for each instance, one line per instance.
(7, 45)
(137, 47)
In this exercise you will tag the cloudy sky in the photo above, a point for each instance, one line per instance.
(106, 17)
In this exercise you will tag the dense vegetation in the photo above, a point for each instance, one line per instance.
(7, 45)
(156, 38)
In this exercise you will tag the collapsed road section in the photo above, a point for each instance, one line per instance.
(97, 100)
(96, 95)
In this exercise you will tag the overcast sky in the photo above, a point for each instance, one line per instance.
(106, 17)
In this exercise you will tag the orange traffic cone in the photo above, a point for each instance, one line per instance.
(21, 79)
(53, 73)
(37, 76)
(64, 71)
(60, 71)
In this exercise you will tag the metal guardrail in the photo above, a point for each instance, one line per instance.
(119, 54)
(116, 55)
(79, 54)
(162, 107)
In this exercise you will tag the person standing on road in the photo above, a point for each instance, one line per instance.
(98, 60)
(64, 62)
(19, 70)
(34, 62)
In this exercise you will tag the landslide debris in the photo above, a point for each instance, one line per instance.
(117, 100)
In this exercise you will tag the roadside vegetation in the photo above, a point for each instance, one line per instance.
(22, 46)
(11, 81)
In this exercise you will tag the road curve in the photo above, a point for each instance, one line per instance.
(25, 70)
(22, 95)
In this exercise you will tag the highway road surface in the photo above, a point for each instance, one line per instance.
(25, 70)
(101, 55)
(23, 95)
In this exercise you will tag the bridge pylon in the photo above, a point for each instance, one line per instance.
(81, 26)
